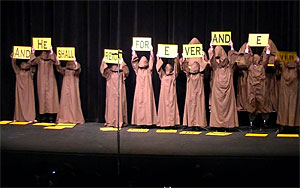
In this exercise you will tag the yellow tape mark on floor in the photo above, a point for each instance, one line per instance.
(288, 135)
(5, 122)
(54, 128)
(66, 124)
(190, 132)
(218, 134)
(19, 123)
(44, 124)
(135, 130)
(108, 129)
(166, 131)
(256, 135)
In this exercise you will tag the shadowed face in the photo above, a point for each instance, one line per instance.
(169, 69)
(25, 66)
(143, 62)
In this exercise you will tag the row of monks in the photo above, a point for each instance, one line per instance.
(261, 89)
(265, 85)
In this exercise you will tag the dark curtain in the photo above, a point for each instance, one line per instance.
(92, 26)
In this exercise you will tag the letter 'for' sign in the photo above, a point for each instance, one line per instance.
(141, 43)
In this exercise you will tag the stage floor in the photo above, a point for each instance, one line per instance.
(87, 138)
(85, 156)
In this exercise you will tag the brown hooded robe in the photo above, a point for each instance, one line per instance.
(194, 107)
(111, 106)
(242, 61)
(24, 92)
(257, 84)
(223, 103)
(70, 104)
(271, 92)
(46, 83)
(288, 108)
(144, 108)
(168, 114)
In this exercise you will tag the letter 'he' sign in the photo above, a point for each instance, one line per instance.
(22, 52)
(258, 40)
(41, 43)
(221, 37)
(286, 56)
(192, 50)
(167, 50)
(141, 43)
(65, 53)
(111, 56)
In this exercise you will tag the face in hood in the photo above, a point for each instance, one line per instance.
(70, 65)
(114, 67)
(143, 63)
(25, 66)
(169, 69)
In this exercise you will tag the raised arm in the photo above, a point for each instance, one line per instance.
(125, 69)
(151, 61)
(14, 64)
(159, 64)
(77, 68)
(134, 61)
(105, 72)
(176, 65)
(59, 68)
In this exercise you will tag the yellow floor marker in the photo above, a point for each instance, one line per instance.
(190, 132)
(136, 130)
(256, 135)
(19, 123)
(106, 129)
(166, 131)
(218, 134)
(54, 128)
(66, 124)
(5, 122)
(288, 135)
(44, 124)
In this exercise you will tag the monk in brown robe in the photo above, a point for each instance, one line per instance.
(110, 72)
(257, 87)
(223, 102)
(70, 105)
(24, 92)
(194, 109)
(46, 85)
(242, 62)
(271, 94)
(144, 108)
(168, 114)
(288, 108)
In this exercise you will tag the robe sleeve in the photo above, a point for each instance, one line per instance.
(35, 61)
(135, 63)
(77, 69)
(60, 69)
(53, 58)
(33, 68)
(104, 70)
(185, 67)
(176, 66)
(125, 70)
(265, 59)
(151, 62)
(15, 66)
(212, 59)
(159, 69)
(232, 57)
(203, 62)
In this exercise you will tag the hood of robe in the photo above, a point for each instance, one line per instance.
(194, 41)
(70, 65)
(143, 63)
(45, 54)
(25, 66)
(256, 59)
(221, 56)
(115, 68)
(273, 48)
(169, 69)
(243, 48)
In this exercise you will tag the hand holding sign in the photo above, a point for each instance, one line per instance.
(32, 49)
(268, 49)
(231, 45)
(51, 50)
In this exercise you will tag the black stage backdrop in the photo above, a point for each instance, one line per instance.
(92, 26)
